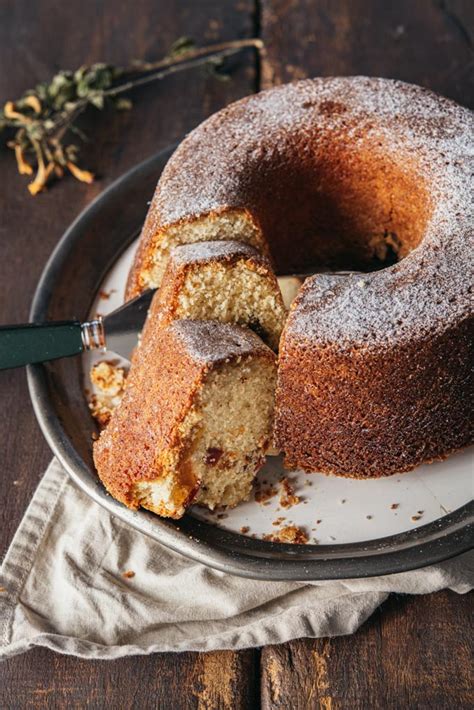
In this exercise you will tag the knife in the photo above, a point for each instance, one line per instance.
(118, 331)
(39, 342)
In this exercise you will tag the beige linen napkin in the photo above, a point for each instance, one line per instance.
(64, 589)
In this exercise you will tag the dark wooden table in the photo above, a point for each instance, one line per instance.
(414, 652)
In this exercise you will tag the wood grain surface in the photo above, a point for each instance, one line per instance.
(423, 42)
(414, 652)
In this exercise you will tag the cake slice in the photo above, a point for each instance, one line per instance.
(195, 420)
(152, 255)
(225, 281)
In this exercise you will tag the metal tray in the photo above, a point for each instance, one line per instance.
(66, 289)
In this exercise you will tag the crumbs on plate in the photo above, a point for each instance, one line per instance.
(287, 496)
(109, 380)
(105, 295)
(264, 493)
(290, 534)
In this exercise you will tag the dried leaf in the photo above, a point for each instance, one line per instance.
(44, 118)
(42, 176)
(181, 46)
(123, 104)
(33, 102)
(97, 100)
(24, 168)
(10, 112)
(82, 175)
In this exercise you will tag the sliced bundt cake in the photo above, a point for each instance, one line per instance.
(345, 173)
(195, 420)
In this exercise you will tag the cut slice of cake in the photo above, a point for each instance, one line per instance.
(195, 420)
(151, 259)
(225, 281)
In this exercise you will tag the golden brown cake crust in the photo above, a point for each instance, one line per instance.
(377, 410)
(356, 173)
(296, 156)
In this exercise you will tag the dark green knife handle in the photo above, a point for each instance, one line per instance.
(26, 344)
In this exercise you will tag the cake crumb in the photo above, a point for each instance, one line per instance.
(289, 534)
(264, 493)
(369, 517)
(244, 529)
(128, 574)
(394, 506)
(108, 377)
(105, 295)
(287, 496)
(279, 521)
(100, 411)
(343, 500)
(318, 522)
(415, 517)
(109, 381)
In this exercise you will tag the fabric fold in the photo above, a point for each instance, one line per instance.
(80, 582)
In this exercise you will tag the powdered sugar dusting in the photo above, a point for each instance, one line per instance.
(198, 252)
(211, 166)
(213, 342)
(216, 164)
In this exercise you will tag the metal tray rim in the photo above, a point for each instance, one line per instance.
(235, 554)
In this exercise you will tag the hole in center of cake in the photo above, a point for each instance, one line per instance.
(345, 207)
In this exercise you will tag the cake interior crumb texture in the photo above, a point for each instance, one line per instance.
(224, 438)
(233, 294)
(232, 224)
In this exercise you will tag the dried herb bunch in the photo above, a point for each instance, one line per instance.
(44, 118)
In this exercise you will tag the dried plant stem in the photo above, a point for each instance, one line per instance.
(190, 60)
(43, 116)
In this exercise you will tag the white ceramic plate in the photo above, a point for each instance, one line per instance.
(332, 510)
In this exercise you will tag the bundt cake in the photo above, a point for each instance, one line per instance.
(348, 173)
(174, 439)
(228, 282)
